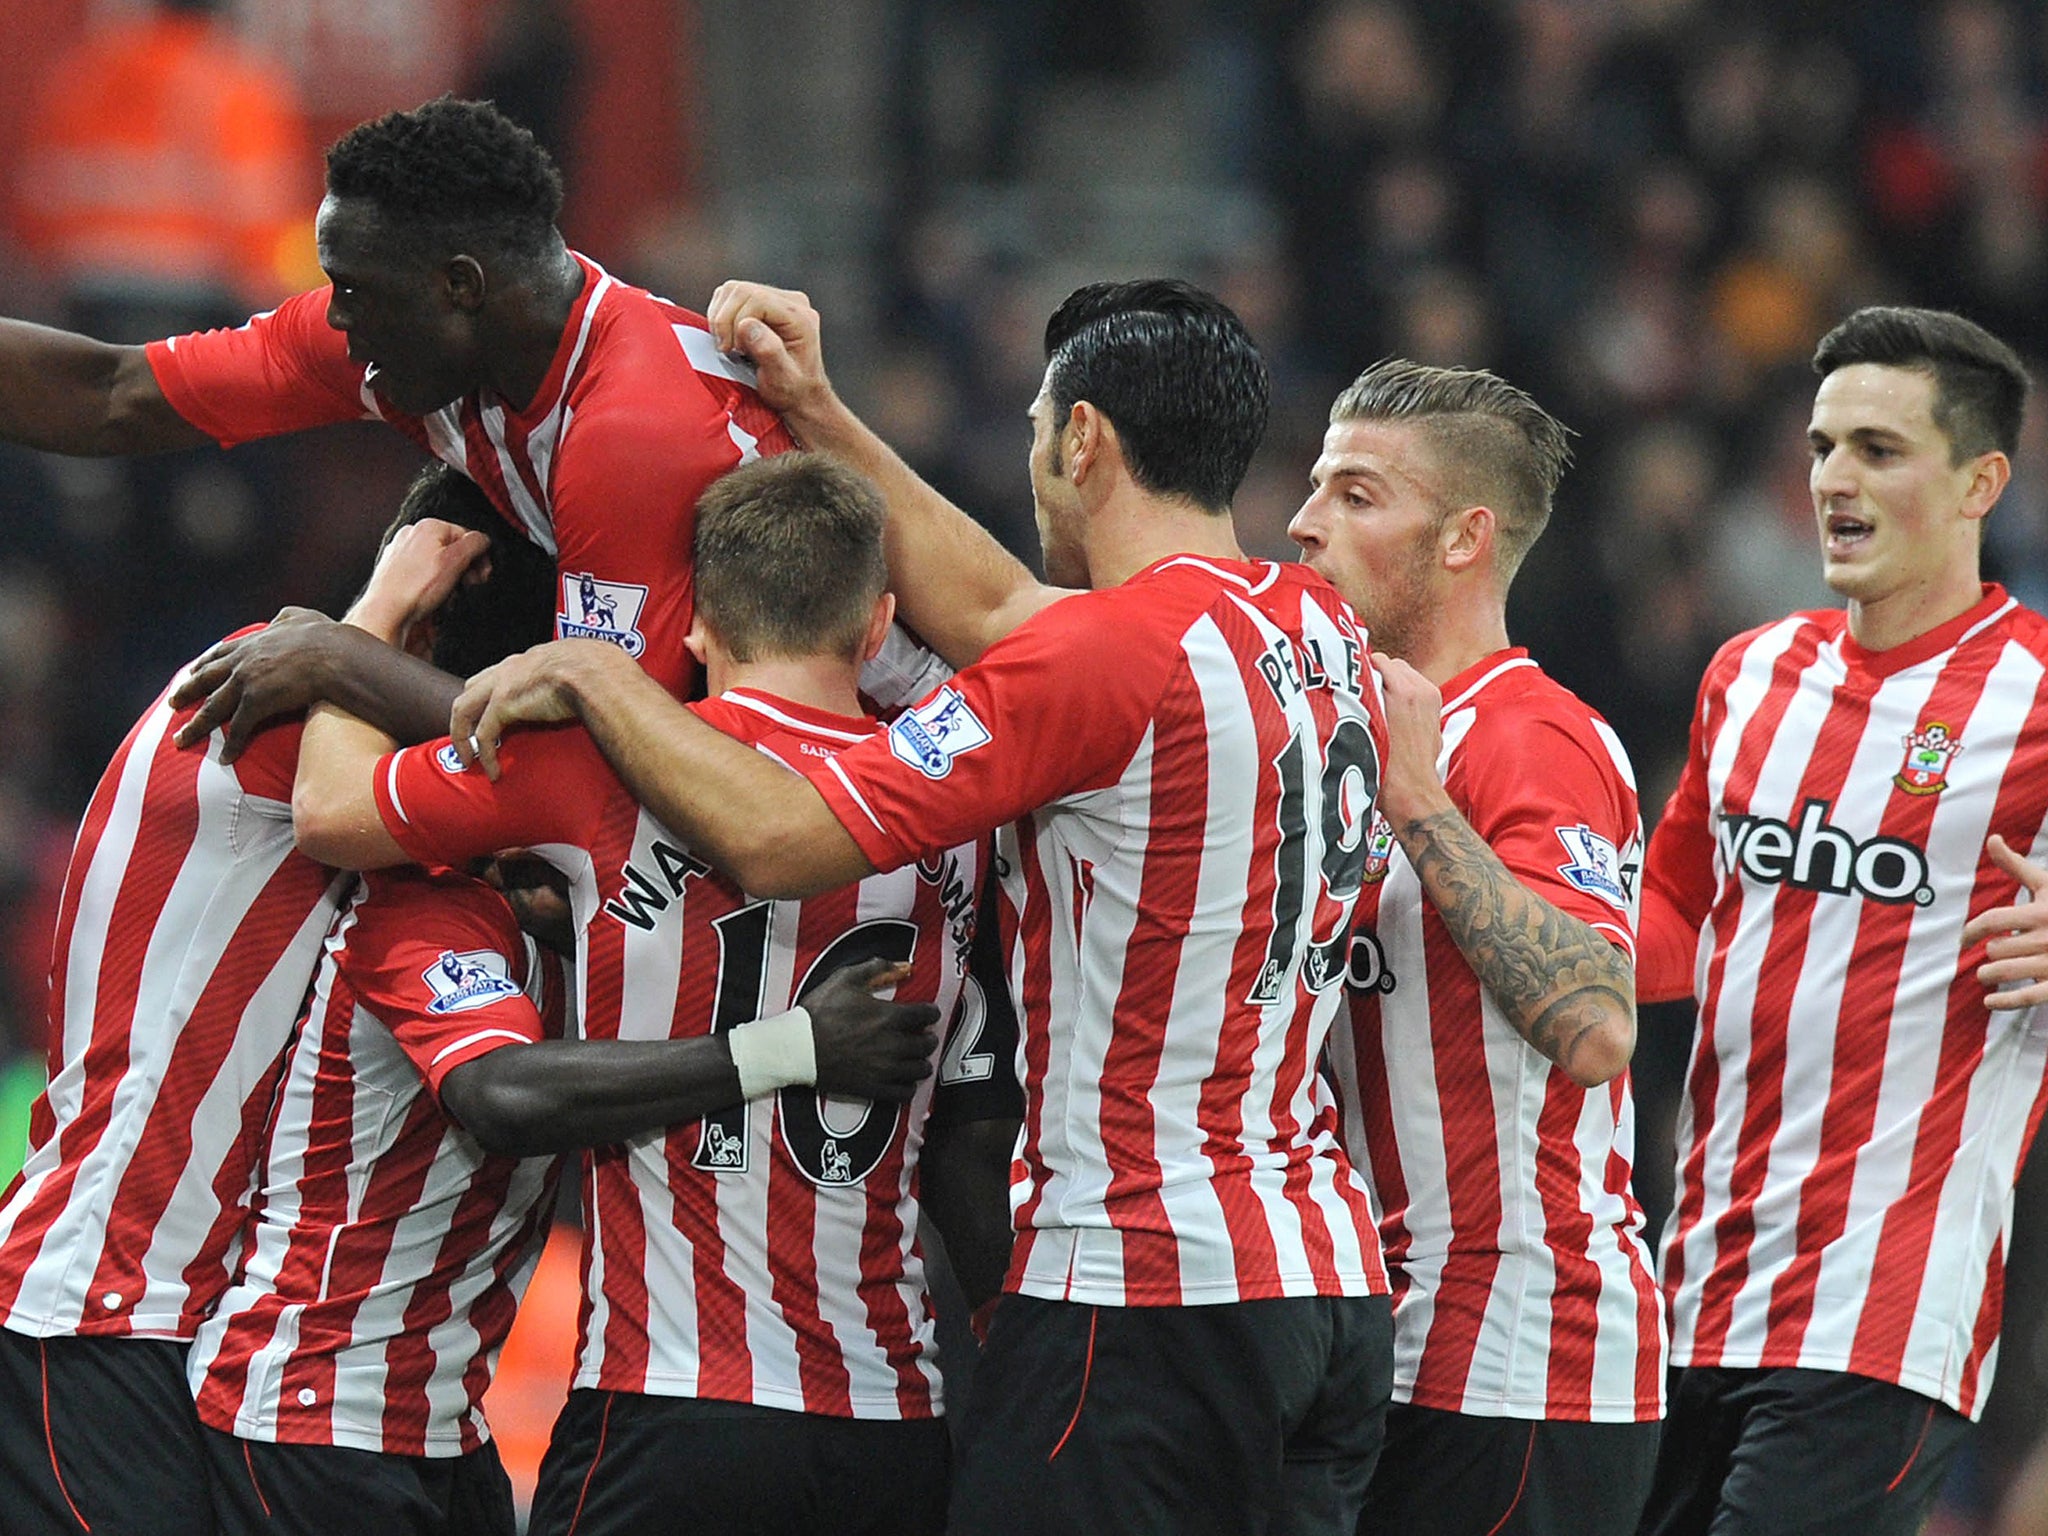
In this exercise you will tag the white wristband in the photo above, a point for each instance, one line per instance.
(774, 1053)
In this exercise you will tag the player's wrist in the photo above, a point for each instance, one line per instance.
(773, 1053)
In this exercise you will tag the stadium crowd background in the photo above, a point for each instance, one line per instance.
(1644, 211)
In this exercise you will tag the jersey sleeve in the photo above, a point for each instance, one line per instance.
(978, 1068)
(279, 372)
(1678, 878)
(439, 961)
(551, 785)
(1560, 812)
(1039, 717)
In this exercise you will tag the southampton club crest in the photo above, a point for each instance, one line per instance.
(1929, 751)
(1379, 850)
(473, 979)
(601, 610)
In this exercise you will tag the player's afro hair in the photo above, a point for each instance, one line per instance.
(452, 170)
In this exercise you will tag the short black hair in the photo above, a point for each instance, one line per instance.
(1980, 385)
(513, 608)
(452, 173)
(788, 558)
(1177, 374)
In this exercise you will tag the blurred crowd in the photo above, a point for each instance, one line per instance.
(1644, 211)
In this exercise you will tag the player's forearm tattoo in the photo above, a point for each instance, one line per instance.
(1557, 979)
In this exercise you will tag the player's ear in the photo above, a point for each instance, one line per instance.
(1989, 476)
(464, 279)
(1084, 439)
(1467, 537)
(878, 626)
(697, 640)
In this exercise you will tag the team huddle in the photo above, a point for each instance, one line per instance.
(1234, 962)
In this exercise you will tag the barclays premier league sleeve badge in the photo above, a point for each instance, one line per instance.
(601, 610)
(942, 728)
(473, 979)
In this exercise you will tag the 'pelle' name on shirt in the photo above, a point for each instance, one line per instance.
(1290, 669)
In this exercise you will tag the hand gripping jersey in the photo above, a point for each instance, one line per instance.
(1190, 760)
(639, 413)
(1854, 1116)
(1522, 1288)
(768, 1253)
(389, 1250)
(186, 936)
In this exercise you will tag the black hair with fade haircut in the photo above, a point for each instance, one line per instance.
(1980, 385)
(509, 611)
(789, 558)
(1177, 374)
(452, 173)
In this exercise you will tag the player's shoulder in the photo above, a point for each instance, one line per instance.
(784, 729)
(1511, 715)
(2023, 626)
(1814, 627)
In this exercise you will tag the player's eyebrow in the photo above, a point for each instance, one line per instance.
(1349, 469)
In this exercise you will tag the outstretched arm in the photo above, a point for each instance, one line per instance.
(763, 825)
(66, 393)
(954, 584)
(564, 1095)
(1564, 986)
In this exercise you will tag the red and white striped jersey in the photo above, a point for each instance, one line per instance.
(1854, 1116)
(1522, 1288)
(603, 468)
(1190, 760)
(767, 1253)
(187, 933)
(388, 1251)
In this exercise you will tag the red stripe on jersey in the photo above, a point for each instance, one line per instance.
(1869, 994)
(1704, 1079)
(623, 1232)
(1376, 1112)
(1471, 1176)
(1137, 1036)
(1027, 935)
(793, 1261)
(1649, 1300)
(171, 812)
(1568, 1234)
(1770, 1023)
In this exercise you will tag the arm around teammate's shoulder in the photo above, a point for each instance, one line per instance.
(66, 393)
(954, 582)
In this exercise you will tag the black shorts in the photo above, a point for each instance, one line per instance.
(1249, 1416)
(623, 1464)
(1751, 1452)
(266, 1489)
(1457, 1474)
(99, 1434)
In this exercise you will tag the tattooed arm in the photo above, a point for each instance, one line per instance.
(1562, 984)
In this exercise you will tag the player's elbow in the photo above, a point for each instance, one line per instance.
(1604, 1051)
(316, 827)
(506, 1112)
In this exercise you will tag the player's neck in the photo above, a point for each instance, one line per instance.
(1135, 530)
(537, 317)
(1911, 612)
(828, 683)
(1457, 641)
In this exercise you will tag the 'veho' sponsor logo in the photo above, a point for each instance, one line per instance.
(1814, 856)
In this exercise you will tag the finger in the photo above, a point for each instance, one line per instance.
(242, 725)
(205, 674)
(2029, 874)
(485, 739)
(2025, 997)
(881, 974)
(220, 702)
(719, 312)
(467, 710)
(757, 339)
(2001, 921)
